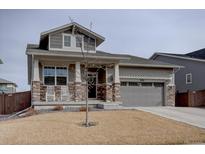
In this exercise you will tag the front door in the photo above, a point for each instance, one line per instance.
(92, 80)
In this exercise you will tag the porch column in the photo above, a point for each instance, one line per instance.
(116, 74)
(108, 88)
(35, 82)
(79, 89)
(36, 70)
(77, 72)
(116, 84)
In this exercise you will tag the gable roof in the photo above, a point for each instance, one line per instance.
(143, 62)
(82, 29)
(125, 59)
(200, 54)
(189, 56)
(3, 81)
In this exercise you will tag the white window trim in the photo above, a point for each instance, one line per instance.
(47, 75)
(61, 76)
(189, 74)
(55, 76)
(71, 41)
(73, 44)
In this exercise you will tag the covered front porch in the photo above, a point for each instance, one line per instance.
(63, 81)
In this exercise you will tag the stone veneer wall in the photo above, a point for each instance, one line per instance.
(77, 92)
(104, 92)
(71, 88)
(109, 93)
(170, 95)
(35, 91)
(43, 89)
(101, 90)
(43, 92)
(57, 93)
(116, 92)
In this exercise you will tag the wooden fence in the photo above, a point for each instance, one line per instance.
(191, 98)
(14, 102)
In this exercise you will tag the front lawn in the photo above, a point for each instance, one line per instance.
(113, 127)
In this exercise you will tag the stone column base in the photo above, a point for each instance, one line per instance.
(108, 93)
(79, 91)
(116, 92)
(35, 96)
(170, 95)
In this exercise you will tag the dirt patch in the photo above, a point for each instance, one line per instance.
(113, 127)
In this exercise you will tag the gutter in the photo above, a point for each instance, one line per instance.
(173, 56)
(76, 56)
(151, 65)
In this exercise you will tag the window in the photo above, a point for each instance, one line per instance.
(146, 84)
(55, 75)
(189, 78)
(134, 83)
(78, 41)
(66, 40)
(158, 84)
(61, 75)
(49, 75)
(123, 83)
(89, 43)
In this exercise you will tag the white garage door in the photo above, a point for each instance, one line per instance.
(142, 94)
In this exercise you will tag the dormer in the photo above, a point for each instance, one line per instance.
(71, 37)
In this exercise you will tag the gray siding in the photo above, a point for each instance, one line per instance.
(145, 72)
(56, 41)
(194, 67)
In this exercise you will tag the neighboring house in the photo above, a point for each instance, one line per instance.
(192, 76)
(56, 72)
(7, 86)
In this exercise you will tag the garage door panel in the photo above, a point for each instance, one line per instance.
(142, 96)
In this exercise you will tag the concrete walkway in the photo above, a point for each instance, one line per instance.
(189, 115)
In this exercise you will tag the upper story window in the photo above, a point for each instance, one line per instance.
(189, 78)
(69, 42)
(66, 40)
(78, 40)
(89, 44)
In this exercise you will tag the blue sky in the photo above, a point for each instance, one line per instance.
(137, 32)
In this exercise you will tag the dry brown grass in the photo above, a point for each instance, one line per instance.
(113, 127)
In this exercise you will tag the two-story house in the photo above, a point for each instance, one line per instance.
(7, 86)
(56, 72)
(191, 76)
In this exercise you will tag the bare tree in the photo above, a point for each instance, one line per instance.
(90, 82)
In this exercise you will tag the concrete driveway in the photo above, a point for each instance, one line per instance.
(189, 115)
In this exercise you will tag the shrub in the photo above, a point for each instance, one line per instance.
(58, 108)
(83, 109)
